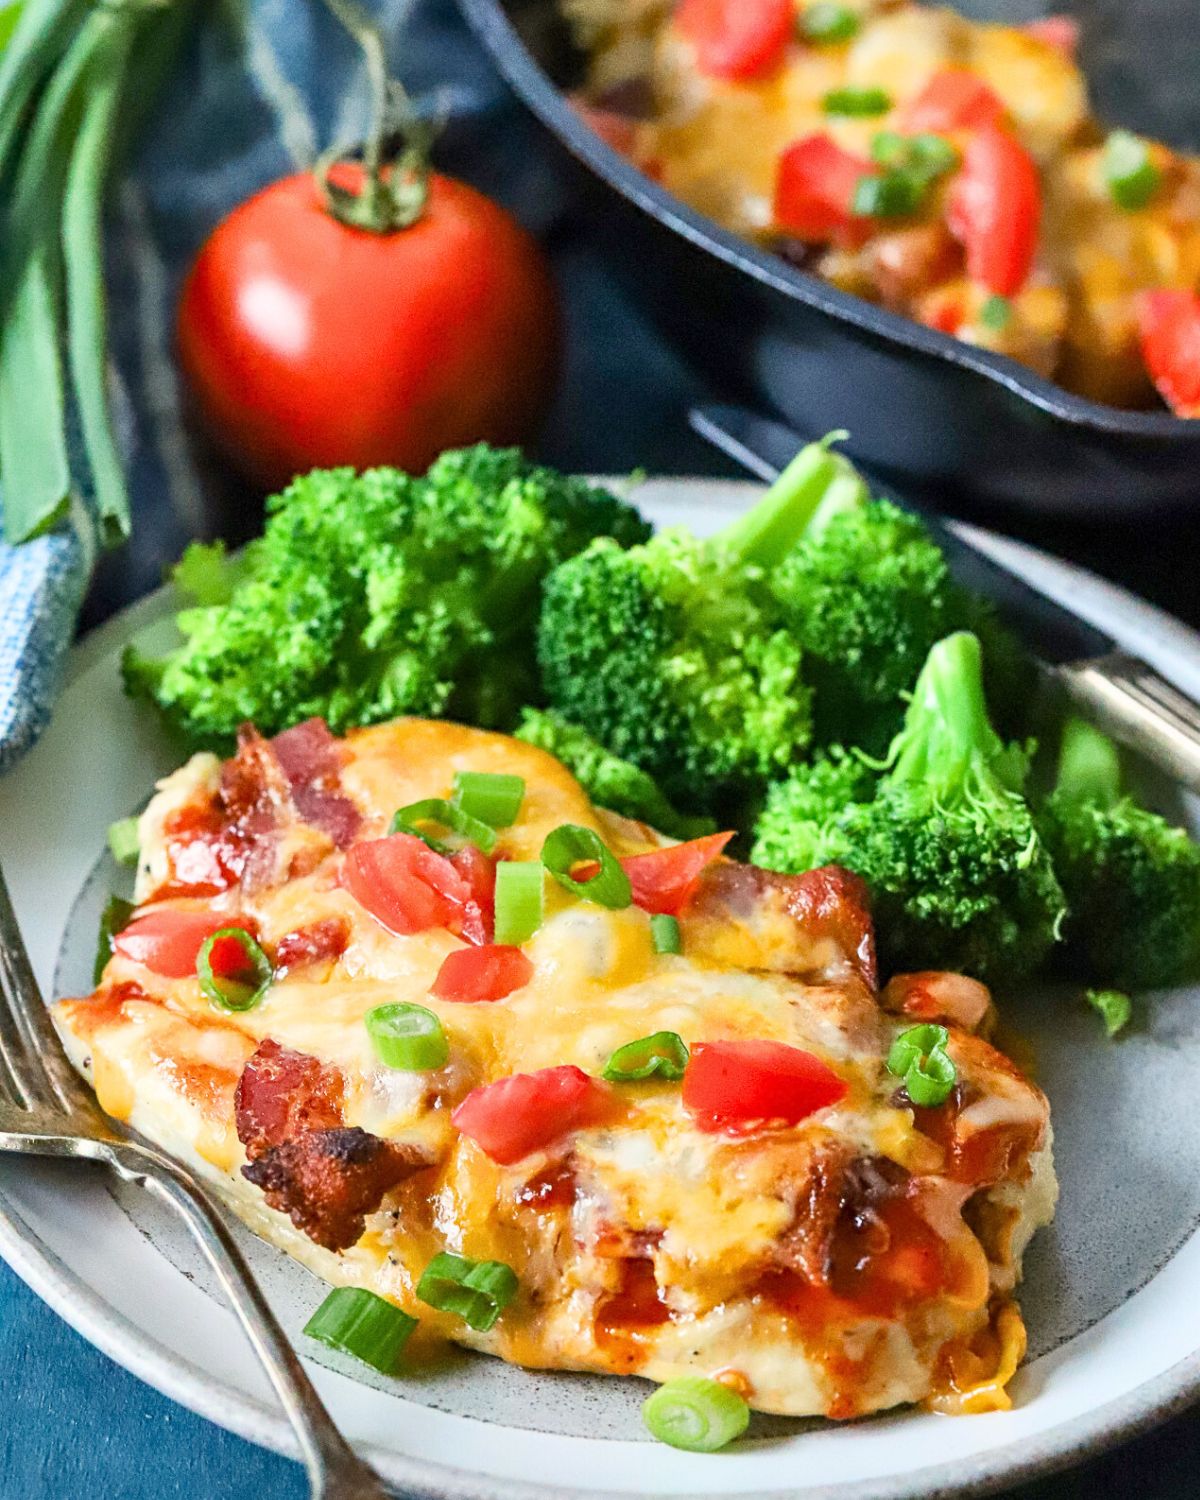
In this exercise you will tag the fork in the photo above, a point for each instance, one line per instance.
(46, 1110)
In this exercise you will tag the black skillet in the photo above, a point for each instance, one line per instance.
(954, 426)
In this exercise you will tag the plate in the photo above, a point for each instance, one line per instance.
(1109, 1297)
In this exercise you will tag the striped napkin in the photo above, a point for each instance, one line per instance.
(237, 114)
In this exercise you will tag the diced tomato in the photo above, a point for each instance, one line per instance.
(486, 973)
(815, 183)
(479, 916)
(736, 38)
(515, 1116)
(995, 209)
(952, 100)
(729, 1085)
(615, 130)
(664, 879)
(1059, 32)
(168, 941)
(405, 885)
(1169, 322)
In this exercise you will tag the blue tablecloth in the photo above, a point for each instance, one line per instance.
(72, 1424)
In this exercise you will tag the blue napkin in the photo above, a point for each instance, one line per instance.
(235, 115)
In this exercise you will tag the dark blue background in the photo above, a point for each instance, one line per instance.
(71, 1422)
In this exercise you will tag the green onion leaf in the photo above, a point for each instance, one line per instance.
(243, 986)
(113, 919)
(828, 22)
(695, 1414)
(477, 1291)
(407, 1037)
(1132, 177)
(493, 798)
(919, 1056)
(891, 149)
(569, 846)
(446, 815)
(894, 195)
(1114, 1007)
(519, 900)
(664, 929)
(996, 312)
(663, 1055)
(123, 842)
(357, 1322)
(857, 103)
(924, 157)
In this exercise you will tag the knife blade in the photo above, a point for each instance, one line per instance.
(1122, 694)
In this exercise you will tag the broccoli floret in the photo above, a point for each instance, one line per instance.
(380, 594)
(674, 655)
(958, 875)
(608, 780)
(1132, 879)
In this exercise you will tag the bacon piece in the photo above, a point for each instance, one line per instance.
(309, 756)
(327, 1181)
(815, 924)
(283, 1093)
(935, 996)
(318, 942)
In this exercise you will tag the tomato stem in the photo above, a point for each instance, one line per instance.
(393, 191)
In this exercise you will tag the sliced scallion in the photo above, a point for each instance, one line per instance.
(490, 796)
(890, 195)
(695, 1414)
(1113, 1007)
(996, 313)
(857, 103)
(664, 930)
(477, 1291)
(445, 815)
(233, 970)
(520, 886)
(570, 846)
(123, 842)
(1131, 175)
(827, 22)
(919, 1057)
(357, 1322)
(663, 1055)
(407, 1037)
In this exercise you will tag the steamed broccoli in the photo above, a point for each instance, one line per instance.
(608, 780)
(1132, 879)
(674, 654)
(958, 875)
(380, 594)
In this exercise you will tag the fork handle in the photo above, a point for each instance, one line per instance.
(334, 1470)
(1130, 701)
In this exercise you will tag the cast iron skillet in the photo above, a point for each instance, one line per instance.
(952, 425)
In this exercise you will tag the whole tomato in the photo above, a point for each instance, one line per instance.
(309, 341)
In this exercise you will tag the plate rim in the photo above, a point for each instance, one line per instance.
(1064, 1445)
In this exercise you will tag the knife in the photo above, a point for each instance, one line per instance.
(1122, 694)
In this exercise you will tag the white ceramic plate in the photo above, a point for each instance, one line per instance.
(1111, 1290)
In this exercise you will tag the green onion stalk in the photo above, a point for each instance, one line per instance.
(71, 74)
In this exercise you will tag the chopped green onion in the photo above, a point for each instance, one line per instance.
(663, 1055)
(357, 1322)
(493, 798)
(857, 103)
(407, 1037)
(1132, 177)
(245, 987)
(570, 846)
(828, 22)
(1114, 1007)
(996, 312)
(695, 1414)
(891, 149)
(113, 919)
(919, 1056)
(123, 842)
(664, 929)
(477, 1291)
(893, 195)
(519, 904)
(925, 156)
(446, 815)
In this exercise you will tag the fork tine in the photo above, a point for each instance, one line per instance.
(30, 1046)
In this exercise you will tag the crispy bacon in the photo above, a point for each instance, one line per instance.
(283, 1093)
(935, 996)
(319, 942)
(327, 1181)
(308, 755)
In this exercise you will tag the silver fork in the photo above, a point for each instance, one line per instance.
(46, 1110)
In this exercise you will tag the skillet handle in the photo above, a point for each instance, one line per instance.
(1140, 709)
